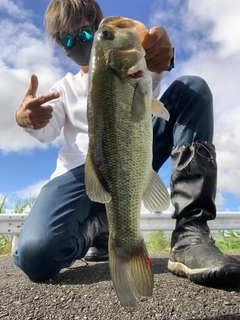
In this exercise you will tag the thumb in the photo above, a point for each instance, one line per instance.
(153, 35)
(32, 90)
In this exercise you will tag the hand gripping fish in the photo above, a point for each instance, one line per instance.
(118, 170)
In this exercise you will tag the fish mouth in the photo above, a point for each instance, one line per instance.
(139, 70)
(136, 75)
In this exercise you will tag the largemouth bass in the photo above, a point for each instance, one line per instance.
(118, 170)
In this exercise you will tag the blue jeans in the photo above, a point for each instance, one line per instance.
(50, 239)
(189, 102)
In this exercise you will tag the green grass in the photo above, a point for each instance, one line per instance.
(158, 243)
(227, 241)
(5, 245)
(2, 203)
(21, 206)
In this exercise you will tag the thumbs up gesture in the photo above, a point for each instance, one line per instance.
(32, 113)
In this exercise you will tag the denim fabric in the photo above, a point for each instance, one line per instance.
(189, 102)
(50, 238)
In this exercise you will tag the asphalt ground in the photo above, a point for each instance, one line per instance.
(86, 292)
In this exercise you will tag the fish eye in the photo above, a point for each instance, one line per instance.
(108, 35)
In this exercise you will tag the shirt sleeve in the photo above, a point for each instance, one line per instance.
(156, 83)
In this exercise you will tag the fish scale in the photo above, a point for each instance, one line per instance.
(118, 169)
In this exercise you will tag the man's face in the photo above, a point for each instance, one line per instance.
(77, 43)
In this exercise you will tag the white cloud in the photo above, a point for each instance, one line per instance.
(206, 37)
(23, 50)
(32, 190)
(220, 200)
(224, 16)
(14, 9)
(20, 196)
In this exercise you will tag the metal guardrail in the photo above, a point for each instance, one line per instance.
(224, 221)
(11, 224)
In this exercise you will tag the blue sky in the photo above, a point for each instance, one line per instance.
(206, 43)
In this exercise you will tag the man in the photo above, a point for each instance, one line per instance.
(64, 224)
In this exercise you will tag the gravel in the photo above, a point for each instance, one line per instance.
(86, 292)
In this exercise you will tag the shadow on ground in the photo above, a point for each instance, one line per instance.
(82, 272)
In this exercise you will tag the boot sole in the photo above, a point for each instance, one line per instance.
(96, 258)
(217, 276)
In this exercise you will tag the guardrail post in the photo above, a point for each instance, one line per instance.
(15, 239)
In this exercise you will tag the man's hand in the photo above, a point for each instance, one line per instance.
(158, 49)
(32, 113)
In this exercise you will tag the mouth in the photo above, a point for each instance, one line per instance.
(136, 75)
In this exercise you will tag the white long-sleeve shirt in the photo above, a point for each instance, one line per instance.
(70, 113)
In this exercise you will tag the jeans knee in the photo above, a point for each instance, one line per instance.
(197, 84)
(38, 259)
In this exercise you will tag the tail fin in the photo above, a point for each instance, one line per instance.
(131, 275)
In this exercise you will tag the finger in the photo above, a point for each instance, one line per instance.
(45, 112)
(45, 98)
(162, 58)
(152, 37)
(39, 121)
(36, 112)
(44, 118)
(32, 90)
(40, 125)
(158, 68)
(159, 51)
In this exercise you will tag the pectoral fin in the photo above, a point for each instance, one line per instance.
(156, 196)
(94, 188)
(159, 110)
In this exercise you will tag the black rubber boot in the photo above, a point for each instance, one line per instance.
(194, 254)
(94, 229)
(99, 249)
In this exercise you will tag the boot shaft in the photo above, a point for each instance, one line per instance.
(193, 191)
(194, 179)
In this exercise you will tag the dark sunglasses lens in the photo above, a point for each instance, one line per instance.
(67, 40)
(85, 34)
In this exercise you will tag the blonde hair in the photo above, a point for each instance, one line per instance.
(63, 16)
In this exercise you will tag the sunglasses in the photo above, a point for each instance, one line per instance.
(84, 34)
